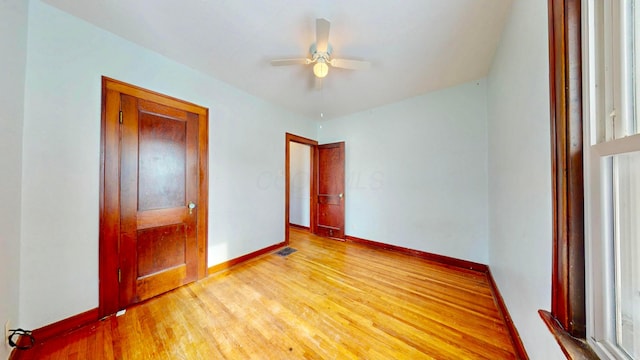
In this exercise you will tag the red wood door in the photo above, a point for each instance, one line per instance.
(330, 191)
(158, 199)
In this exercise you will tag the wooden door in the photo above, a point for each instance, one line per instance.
(330, 191)
(158, 199)
(153, 216)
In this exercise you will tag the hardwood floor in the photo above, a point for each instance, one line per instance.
(328, 300)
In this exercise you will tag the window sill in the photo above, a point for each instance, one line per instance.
(572, 348)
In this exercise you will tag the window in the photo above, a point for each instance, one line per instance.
(611, 60)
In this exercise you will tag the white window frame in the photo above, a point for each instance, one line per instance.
(607, 94)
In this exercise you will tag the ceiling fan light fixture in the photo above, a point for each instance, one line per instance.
(321, 56)
(320, 69)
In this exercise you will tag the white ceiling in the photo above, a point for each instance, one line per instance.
(415, 46)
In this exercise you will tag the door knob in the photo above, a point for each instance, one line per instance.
(340, 195)
(191, 206)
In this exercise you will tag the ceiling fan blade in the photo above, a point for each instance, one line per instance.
(350, 64)
(322, 35)
(283, 62)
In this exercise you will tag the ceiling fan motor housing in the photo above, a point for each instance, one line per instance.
(315, 55)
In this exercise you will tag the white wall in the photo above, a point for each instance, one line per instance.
(416, 172)
(520, 245)
(66, 58)
(13, 42)
(300, 186)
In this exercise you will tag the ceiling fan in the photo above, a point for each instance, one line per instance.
(321, 55)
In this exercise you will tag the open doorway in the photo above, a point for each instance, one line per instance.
(300, 183)
(325, 166)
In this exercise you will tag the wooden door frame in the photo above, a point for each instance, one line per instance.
(110, 185)
(313, 172)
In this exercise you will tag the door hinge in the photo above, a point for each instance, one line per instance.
(120, 117)
(119, 276)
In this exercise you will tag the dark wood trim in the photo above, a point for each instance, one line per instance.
(109, 202)
(300, 227)
(203, 193)
(55, 329)
(287, 181)
(445, 260)
(65, 326)
(521, 352)
(565, 79)
(573, 348)
(109, 205)
(153, 96)
(244, 258)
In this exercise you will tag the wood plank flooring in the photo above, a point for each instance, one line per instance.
(328, 300)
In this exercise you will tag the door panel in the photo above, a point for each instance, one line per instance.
(330, 191)
(158, 250)
(161, 156)
(161, 248)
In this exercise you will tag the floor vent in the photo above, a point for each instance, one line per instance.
(286, 251)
